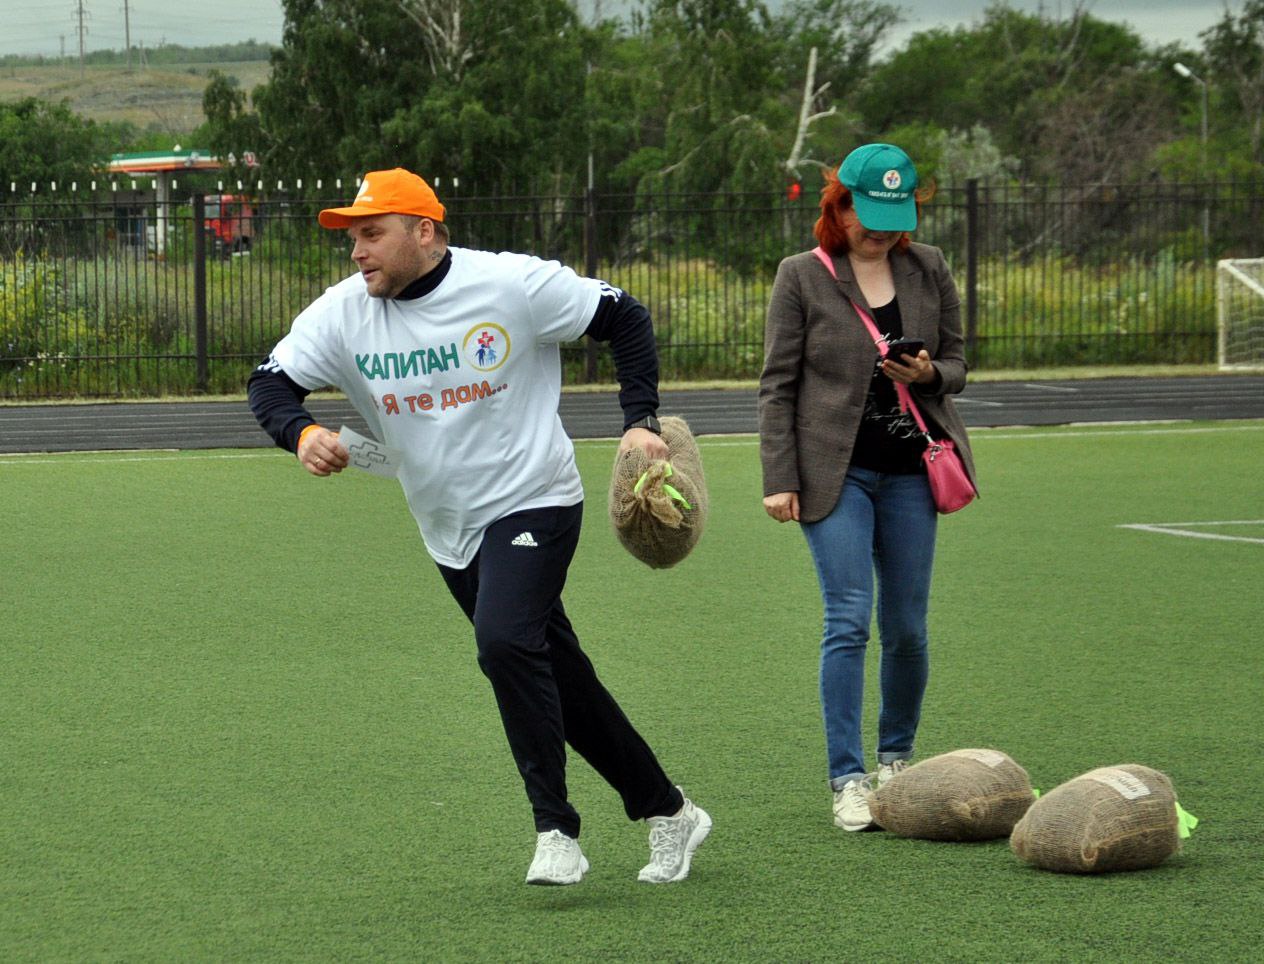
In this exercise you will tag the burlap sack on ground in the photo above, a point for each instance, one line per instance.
(650, 523)
(962, 795)
(1112, 818)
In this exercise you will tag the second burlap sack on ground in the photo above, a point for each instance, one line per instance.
(659, 508)
(963, 795)
(1112, 818)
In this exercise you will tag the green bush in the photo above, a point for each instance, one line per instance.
(39, 325)
(1055, 312)
(124, 324)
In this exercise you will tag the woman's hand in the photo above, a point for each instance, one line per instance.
(919, 370)
(783, 506)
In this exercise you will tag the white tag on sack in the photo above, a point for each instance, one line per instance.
(989, 758)
(1121, 781)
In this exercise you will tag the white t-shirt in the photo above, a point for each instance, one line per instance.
(464, 381)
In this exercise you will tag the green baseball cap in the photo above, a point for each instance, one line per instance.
(881, 179)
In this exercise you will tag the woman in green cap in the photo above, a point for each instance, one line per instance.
(842, 458)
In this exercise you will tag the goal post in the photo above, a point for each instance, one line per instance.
(1240, 314)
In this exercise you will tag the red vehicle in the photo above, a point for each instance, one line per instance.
(230, 223)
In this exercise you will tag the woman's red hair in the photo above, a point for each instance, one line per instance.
(835, 200)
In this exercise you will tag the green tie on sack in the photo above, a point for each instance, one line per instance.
(1110, 819)
(659, 507)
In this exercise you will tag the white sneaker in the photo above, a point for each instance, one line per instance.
(558, 860)
(672, 843)
(851, 808)
(887, 770)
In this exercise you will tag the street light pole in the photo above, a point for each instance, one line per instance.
(1190, 75)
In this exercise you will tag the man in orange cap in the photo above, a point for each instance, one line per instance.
(451, 356)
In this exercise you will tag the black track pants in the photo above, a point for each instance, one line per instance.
(546, 688)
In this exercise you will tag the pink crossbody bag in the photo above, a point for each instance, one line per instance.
(950, 486)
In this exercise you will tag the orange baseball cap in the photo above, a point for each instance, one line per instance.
(387, 192)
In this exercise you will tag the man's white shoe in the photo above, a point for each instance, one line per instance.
(887, 770)
(851, 808)
(558, 860)
(672, 843)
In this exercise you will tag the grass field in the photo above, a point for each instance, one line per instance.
(241, 720)
(165, 98)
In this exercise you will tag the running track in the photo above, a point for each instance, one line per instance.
(208, 425)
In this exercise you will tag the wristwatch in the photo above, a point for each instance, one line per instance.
(648, 422)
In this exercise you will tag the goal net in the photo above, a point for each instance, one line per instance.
(1240, 313)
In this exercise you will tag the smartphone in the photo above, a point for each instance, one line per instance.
(904, 346)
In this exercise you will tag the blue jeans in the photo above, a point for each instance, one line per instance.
(884, 525)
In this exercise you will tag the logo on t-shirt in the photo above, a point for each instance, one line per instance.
(486, 346)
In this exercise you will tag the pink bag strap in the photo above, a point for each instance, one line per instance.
(901, 390)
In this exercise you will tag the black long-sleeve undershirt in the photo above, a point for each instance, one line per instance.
(277, 400)
(625, 323)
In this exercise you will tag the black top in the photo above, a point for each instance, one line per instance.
(888, 440)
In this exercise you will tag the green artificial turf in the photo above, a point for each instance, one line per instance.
(240, 718)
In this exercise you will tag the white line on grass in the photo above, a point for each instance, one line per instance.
(1177, 529)
(999, 433)
(96, 458)
(735, 440)
(1007, 434)
(1049, 388)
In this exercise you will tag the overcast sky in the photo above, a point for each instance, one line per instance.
(50, 26)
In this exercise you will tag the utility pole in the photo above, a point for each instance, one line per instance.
(127, 35)
(1202, 157)
(82, 16)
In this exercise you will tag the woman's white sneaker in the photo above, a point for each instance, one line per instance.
(851, 808)
(887, 770)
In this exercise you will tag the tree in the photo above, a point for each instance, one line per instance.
(714, 60)
(624, 106)
(827, 48)
(508, 108)
(42, 141)
(448, 47)
(1234, 49)
(487, 91)
(1097, 133)
(751, 98)
(962, 155)
(230, 131)
(1045, 88)
(343, 68)
(845, 34)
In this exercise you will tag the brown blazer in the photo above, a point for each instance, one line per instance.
(819, 358)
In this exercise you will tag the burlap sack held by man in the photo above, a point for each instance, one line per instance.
(659, 508)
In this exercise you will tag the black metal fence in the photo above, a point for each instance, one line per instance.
(121, 294)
